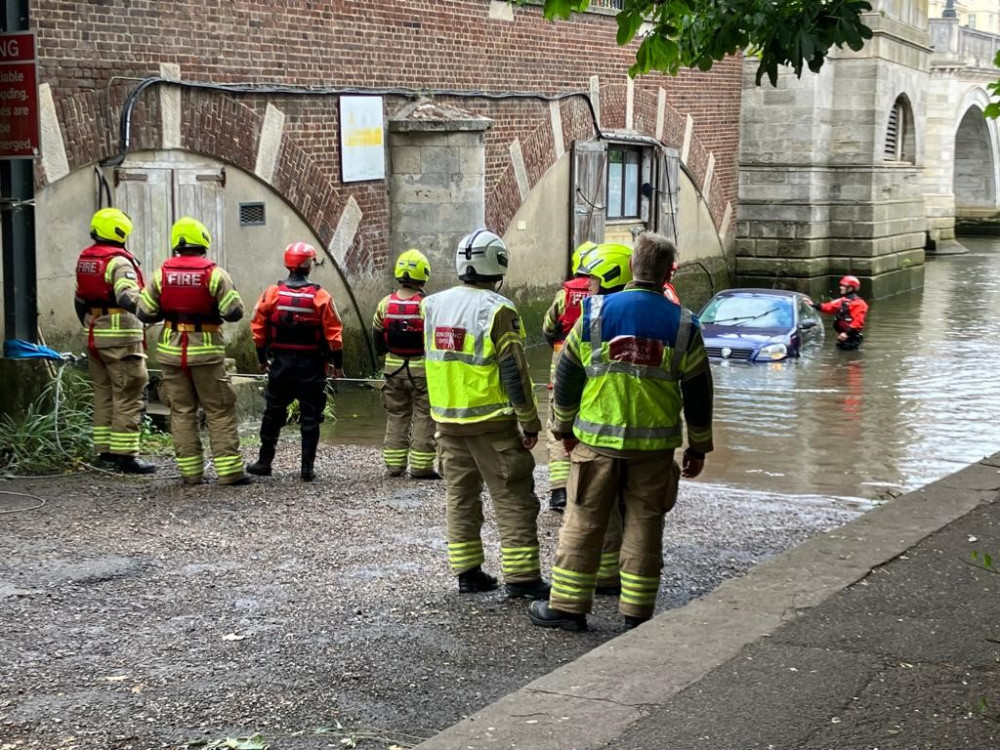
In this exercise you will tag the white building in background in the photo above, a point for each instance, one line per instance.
(983, 15)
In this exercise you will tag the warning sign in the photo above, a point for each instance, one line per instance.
(19, 136)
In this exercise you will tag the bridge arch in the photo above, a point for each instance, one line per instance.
(976, 180)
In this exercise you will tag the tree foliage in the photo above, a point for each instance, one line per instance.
(993, 108)
(697, 33)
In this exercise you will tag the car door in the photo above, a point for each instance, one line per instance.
(810, 326)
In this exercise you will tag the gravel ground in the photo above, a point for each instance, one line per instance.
(139, 613)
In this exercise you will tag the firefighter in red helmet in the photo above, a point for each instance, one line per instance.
(297, 325)
(850, 312)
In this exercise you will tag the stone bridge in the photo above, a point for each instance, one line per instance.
(868, 165)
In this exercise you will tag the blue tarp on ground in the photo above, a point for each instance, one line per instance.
(17, 349)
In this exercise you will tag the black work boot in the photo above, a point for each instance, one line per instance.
(262, 466)
(557, 500)
(538, 589)
(475, 581)
(133, 465)
(308, 461)
(611, 589)
(542, 615)
(631, 622)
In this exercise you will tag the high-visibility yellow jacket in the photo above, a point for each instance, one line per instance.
(477, 374)
(631, 365)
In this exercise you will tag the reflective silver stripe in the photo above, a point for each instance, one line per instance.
(625, 433)
(446, 355)
(651, 372)
(290, 308)
(476, 411)
(301, 295)
(681, 344)
(596, 303)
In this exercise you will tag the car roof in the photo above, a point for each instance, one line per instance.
(764, 292)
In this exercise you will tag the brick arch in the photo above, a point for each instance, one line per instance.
(214, 125)
(539, 151)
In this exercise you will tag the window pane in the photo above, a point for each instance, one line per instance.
(615, 189)
(631, 206)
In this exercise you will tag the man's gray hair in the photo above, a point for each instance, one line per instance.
(653, 257)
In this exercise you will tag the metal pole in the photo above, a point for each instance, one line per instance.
(17, 223)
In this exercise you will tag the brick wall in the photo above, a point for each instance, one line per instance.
(442, 44)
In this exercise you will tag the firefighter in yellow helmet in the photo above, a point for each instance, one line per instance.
(193, 296)
(559, 320)
(108, 284)
(634, 362)
(398, 331)
(483, 403)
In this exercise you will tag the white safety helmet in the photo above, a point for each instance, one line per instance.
(481, 256)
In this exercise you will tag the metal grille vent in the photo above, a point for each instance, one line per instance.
(251, 214)
(892, 133)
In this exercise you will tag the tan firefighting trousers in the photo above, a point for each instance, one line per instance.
(119, 376)
(501, 461)
(558, 457)
(209, 387)
(648, 489)
(409, 429)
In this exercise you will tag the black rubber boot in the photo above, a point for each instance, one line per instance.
(308, 460)
(631, 623)
(133, 465)
(542, 615)
(613, 589)
(529, 590)
(262, 466)
(557, 500)
(475, 581)
(431, 475)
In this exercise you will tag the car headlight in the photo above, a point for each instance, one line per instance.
(773, 351)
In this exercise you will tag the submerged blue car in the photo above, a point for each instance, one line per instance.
(759, 325)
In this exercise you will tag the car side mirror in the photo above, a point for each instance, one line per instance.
(808, 323)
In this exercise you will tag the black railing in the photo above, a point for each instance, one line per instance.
(608, 4)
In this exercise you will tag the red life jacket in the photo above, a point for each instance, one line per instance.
(575, 291)
(850, 316)
(185, 296)
(295, 324)
(670, 293)
(91, 268)
(403, 327)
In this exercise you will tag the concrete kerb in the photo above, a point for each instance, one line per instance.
(592, 701)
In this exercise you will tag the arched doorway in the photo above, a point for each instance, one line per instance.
(975, 175)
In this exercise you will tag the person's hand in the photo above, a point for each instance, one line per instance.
(530, 440)
(841, 337)
(336, 372)
(569, 444)
(691, 466)
(263, 367)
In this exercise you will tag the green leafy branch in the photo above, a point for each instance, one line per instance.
(698, 33)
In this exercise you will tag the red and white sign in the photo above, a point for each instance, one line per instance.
(19, 131)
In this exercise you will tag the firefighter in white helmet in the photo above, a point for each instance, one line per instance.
(483, 403)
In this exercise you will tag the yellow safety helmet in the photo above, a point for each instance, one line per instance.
(610, 263)
(188, 232)
(111, 224)
(412, 266)
(579, 259)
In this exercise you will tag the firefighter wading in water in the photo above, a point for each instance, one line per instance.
(631, 365)
(108, 285)
(297, 323)
(398, 331)
(480, 390)
(192, 295)
(850, 311)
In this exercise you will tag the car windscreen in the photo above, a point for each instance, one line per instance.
(749, 311)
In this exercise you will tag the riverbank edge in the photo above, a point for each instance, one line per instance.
(594, 700)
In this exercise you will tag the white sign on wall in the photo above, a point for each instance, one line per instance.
(362, 140)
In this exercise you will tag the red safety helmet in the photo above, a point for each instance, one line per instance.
(850, 282)
(297, 254)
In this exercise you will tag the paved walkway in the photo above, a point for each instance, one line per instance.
(881, 634)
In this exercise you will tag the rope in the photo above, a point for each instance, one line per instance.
(41, 502)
